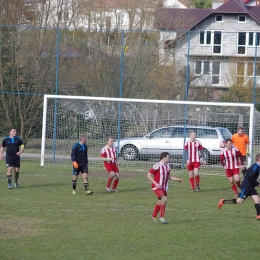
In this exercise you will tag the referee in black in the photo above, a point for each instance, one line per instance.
(14, 147)
(79, 157)
(248, 188)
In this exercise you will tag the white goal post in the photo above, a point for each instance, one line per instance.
(66, 117)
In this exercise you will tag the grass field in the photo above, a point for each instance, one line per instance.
(43, 220)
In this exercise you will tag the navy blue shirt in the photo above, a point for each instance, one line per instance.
(252, 174)
(79, 154)
(12, 145)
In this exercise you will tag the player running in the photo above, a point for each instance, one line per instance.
(232, 161)
(247, 188)
(193, 152)
(159, 176)
(108, 155)
(79, 157)
(14, 147)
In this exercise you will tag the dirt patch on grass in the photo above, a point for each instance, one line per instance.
(17, 227)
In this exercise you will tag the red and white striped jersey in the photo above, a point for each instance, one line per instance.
(229, 158)
(109, 152)
(161, 175)
(193, 148)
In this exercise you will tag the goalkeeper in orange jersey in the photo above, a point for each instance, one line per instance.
(79, 157)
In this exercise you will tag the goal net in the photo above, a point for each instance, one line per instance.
(142, 129)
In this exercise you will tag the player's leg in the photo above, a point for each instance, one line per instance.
(9, 176)
(111, 175)
(116, 178)
(191, 174)
(256, 200)
(197, 176)
(16, 171)
(86, 183)
(75, 174)
(241, 198)
(244, 170)
(162, 204)
(230, 177)
(237, 178)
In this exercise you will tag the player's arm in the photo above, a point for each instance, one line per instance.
(104, 156)
(21, 149)
(175, 179)
(1, 152)
(222, 160)
(73, 158)
(251, 176)
(150, 177)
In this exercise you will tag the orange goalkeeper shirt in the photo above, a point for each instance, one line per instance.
(240, 142)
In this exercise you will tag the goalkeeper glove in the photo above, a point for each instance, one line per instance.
(247, 151)
(75, 165)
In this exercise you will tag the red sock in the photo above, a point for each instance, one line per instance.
(162, 211)
(234, 188)
(109, 182)
(238, 184)
(115, 184)
(197, 180)
(192, 183)
(156, 210)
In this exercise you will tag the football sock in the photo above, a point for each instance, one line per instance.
(115, 184)
(192, 183)
(109, 182)
(257, 207)
(162, 211)
(234, 188)
(9, 178)
(238, 184)
(16, 176)
(197, 178)
(86, 186)
(156, 210)
(74, 184)
(231, 201)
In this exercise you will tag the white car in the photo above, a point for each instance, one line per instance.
(171, 139)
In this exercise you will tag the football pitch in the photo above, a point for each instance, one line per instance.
(43, 220)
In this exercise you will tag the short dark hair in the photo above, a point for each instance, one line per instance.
(11, 128)
(240, 128)
(163, 155)
(228, 140)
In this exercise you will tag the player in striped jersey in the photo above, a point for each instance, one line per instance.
(248, 188)
(193, 152)
(159, 176)
(232, 161)
(108, 155)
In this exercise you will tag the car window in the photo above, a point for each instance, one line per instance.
(161, 133)
(178, 132)
(207, 133)
(225, 133)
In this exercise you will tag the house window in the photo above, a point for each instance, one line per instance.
(246, 69)
(241, 49)
(251, 39)
(241, 18)
(217, 42)
(219, 18)
(205, 37)
(209, 69)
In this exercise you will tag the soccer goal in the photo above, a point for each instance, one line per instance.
(142, 129)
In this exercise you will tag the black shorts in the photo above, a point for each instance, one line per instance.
(12, 161)
(83, 169)
(247, 191)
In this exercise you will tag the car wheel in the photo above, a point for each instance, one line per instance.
(130, 153)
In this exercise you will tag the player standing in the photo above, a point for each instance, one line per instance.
(79, 157)
(108, 155)
(241, 142)
(159, 176)
(193, 152)
(232, 161)
(14, 147)
(247, 188)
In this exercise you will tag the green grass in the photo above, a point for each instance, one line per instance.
(43, 220)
